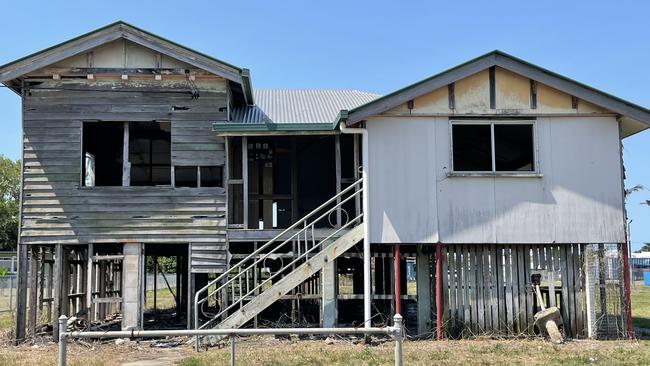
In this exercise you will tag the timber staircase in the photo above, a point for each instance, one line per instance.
(239, 295)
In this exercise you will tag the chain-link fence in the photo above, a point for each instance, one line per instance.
(638, 267)
(605, 291)
(8, 282)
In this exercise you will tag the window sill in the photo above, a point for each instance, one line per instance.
(125, 188)
(496, 174)
(133, 188)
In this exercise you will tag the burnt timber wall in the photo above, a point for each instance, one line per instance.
(56, 210)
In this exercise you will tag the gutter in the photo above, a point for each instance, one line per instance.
(367, 296)
(247, 86)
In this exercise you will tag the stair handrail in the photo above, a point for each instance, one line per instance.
(268, 254)
(305, 226)
(281, 270)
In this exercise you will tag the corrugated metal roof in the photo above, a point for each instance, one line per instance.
(279, 106)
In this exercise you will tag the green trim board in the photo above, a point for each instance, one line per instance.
(222, 127)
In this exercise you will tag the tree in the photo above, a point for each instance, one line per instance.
(9, 202)
(644, 248)
(636, 188)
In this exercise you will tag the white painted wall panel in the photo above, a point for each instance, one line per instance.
(577, 200)
(586, 179)
(465, 205)
(402, 192)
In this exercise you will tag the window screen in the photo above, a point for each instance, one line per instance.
(472, 147)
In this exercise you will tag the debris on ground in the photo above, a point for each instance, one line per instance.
(166, 343)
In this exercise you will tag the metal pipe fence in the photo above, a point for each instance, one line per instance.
(396, 331)
(8, 289)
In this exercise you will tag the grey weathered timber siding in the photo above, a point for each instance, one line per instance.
(57, 210)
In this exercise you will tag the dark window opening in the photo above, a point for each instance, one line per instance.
(472, 147)
(513, 148)
(102, 153)
(150, 153)
(211, 176)
(185, 176)
(493, 147)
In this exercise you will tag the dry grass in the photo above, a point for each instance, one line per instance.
(267, 351)
(104, 354)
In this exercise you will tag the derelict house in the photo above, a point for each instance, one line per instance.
(316, 207)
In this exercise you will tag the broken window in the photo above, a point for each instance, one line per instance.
(493, 147)
(192, 176)
(102, 144)
(150, 153)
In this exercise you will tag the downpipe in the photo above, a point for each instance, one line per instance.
(367, 296)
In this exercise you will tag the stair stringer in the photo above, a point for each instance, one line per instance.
(293, 279)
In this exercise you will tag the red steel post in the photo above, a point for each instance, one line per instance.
(626, 284)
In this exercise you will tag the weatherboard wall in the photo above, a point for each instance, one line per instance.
(577, 198)
(56, 209)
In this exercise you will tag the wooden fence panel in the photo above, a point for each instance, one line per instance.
(488, 289)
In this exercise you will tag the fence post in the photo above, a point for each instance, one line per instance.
(11, 292)
(399, 336)
(63, 324)
(232, 350)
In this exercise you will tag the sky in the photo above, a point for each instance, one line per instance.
(375, 46)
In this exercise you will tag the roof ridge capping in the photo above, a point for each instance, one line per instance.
(508, 62)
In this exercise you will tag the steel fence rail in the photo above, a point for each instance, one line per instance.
(396, 331)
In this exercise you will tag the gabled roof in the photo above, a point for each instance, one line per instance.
(124, 30)
(293, 110)
(508, 62)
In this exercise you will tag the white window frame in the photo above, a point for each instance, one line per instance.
(491, 173)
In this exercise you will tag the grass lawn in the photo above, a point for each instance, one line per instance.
(640, 296)
(164, 299)
(267, 351)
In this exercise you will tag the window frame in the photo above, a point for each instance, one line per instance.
(151, 165)
(491, 173)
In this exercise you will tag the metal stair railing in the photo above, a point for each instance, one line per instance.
(236, 281)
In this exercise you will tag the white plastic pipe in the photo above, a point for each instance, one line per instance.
(367, 296)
